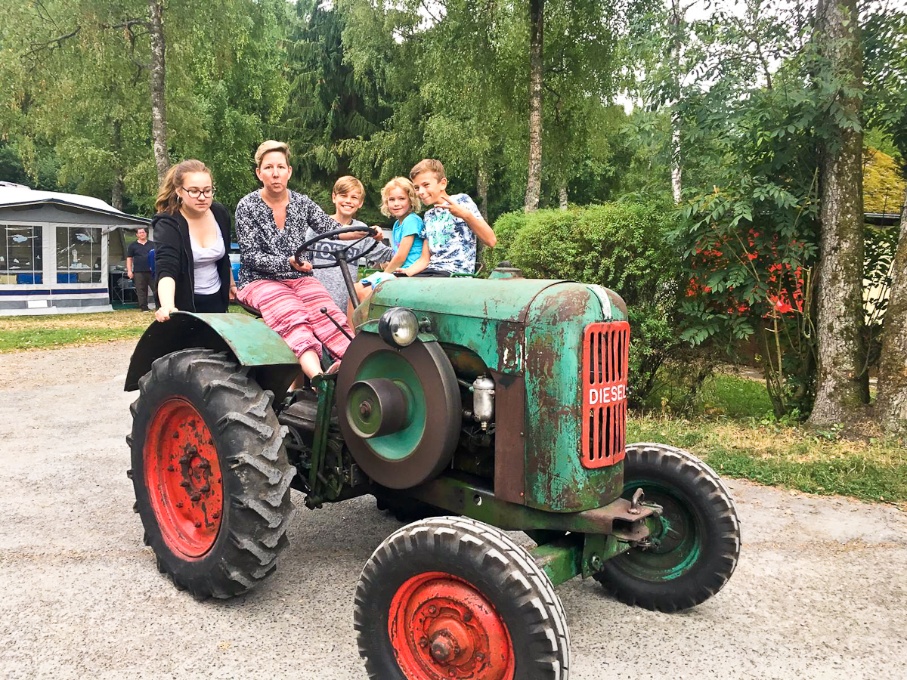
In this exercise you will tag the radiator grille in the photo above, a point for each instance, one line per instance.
(606, 353)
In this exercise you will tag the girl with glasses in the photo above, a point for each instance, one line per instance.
(192, 234)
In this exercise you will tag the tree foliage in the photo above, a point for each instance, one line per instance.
(91, 60)
(883, 184)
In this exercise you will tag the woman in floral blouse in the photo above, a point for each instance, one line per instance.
(270, 226)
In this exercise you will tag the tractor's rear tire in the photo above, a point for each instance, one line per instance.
(451, 597)
(210, 471)
(697, 552)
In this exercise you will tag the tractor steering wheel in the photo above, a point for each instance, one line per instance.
(338, 253)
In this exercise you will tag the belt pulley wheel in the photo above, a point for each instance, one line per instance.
(399, 410)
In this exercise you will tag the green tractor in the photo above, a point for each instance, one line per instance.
(484, 406)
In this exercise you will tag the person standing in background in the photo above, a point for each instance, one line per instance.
(138, 268)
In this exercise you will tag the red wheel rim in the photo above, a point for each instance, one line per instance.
(183, 478)
(442, 627)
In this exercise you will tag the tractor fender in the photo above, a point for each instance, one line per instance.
(250, 341)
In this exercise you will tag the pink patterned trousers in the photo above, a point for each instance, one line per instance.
(292, 308)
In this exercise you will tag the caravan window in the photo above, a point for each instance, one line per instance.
(78, 255)
(20, 254)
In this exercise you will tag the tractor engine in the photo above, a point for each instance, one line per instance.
(518, 384)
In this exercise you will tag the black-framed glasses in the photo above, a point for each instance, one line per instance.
(195, 193)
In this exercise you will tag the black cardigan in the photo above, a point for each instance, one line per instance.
(173, 255)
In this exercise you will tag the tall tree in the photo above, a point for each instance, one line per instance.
(577, 121)
(100, 62)
(158, 74)
(886, 70)
(327, 102)
(536, 76)
(677, 22)
(842, 387)
(891, 402)
(661, 62)
(460, 81)
(750, 173)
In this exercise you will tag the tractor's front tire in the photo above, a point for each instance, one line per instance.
(210, 472)
(696, 550)
(451, 597)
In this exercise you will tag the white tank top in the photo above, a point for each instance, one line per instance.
(207, 280)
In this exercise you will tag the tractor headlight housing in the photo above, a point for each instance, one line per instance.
(398, 327)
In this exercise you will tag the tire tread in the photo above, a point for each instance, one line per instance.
(262, 511)
(521, 581)
(717, 568)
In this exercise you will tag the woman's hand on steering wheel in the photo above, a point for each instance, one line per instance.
(299, 264)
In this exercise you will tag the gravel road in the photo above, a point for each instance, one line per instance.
(819, 592)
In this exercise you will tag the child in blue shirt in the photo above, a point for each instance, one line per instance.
(398, 199)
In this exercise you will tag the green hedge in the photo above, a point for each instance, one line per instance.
(622, 246)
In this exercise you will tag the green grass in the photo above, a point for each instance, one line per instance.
(868, 468)
(20, 333)
(734, 397)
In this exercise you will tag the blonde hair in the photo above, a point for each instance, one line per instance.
(428, 165)
(269, 146)
(408, 188)
(346, 184)
(167, 200)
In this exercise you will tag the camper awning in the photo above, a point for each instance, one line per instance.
(18, 196)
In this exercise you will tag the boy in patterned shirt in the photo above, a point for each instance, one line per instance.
(451, 226)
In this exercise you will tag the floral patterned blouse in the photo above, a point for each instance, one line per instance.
(265, 249)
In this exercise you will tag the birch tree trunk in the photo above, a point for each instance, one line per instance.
(562, 197)
(158, 98)
(891, 404)
(842, 380)
(116, 191)
(482, 190)
(536, 43)
(677, 14)
(676, 170)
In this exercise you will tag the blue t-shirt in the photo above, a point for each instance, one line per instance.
(411, 226)
(452, 242)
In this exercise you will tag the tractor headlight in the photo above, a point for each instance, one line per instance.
(398, 326)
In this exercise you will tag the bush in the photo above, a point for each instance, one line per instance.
(622, 246)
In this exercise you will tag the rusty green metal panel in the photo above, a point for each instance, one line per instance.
(251, 340)
(478, 298)
(483, 316)
(533, 329)
(487, 317)
(560, 560)
(555, 478)
(472, 499)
